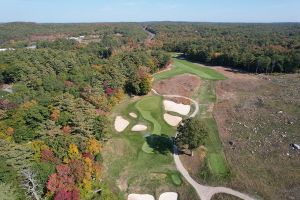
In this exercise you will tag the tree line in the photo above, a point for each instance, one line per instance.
(260, 48)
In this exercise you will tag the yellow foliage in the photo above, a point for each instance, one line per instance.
(37, 146)
(87, 184)
(29, 104)
(93, 146)
(6, 137)
(73, 152)
(98, 171)
(119, 95)
(88, 165)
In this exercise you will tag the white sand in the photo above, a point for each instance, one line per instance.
(121, 124)
(139, 127)
(172, 120)
(168, 196)
(177, 107)
(133, 115)
(140, 197)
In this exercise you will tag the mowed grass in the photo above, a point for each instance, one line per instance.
(151, 109)
(215, 156)
(182, 67)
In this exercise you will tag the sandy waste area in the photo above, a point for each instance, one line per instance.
(140, 197)
(121, 124)
(172, 120)
(139, 127)
(133, 115)
(168, 196)
(177, 107)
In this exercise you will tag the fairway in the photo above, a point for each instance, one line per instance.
(215, 157)
(182, 67)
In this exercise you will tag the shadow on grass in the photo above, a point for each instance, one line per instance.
(162, 144)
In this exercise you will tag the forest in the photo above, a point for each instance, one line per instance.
(259, 48)
(53, 115)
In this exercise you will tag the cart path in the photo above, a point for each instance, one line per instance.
(204, 192)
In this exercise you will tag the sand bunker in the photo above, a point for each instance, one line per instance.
(133, 115)
(121, 124)
(139, 127)
(140, 197)
(168, 196)
(172, 120)
(177, 107)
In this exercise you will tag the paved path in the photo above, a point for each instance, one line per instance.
(204, 192)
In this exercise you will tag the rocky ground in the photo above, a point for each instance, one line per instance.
(258, 118)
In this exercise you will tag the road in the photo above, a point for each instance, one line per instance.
(204, 192)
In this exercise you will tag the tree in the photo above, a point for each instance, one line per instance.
(31, 185)
(93, 146)
(191, 133)
(7, 192)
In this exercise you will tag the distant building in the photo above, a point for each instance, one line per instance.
(7, 49)
(31, 47)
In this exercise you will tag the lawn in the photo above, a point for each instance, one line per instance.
(182, 67)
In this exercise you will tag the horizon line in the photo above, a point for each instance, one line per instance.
(158, 21)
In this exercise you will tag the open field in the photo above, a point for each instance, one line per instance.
(185, 67)
(257, 119)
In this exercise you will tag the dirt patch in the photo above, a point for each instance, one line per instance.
(227, 94)
(195, 162)
(183, 85)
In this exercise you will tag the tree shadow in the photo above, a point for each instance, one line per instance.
(160, 143)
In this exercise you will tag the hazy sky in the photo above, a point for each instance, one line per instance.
(150, 10)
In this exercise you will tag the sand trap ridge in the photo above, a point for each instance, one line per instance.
(121, 124)
(177, 107)
(139, 127)
(168, 196)
(172, 120)
(140, 197)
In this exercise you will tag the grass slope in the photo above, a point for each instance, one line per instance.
(182, 67)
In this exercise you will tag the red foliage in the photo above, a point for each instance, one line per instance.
(88, 155)
(48, 156)
(62, 180)
(77, 169)
(109, 91)
(67, 195)
(53, 183)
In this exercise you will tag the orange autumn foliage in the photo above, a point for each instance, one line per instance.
(9, 131)
(93, 146)
(55, 115)
(66, 129)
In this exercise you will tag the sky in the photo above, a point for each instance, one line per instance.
(149, 10)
